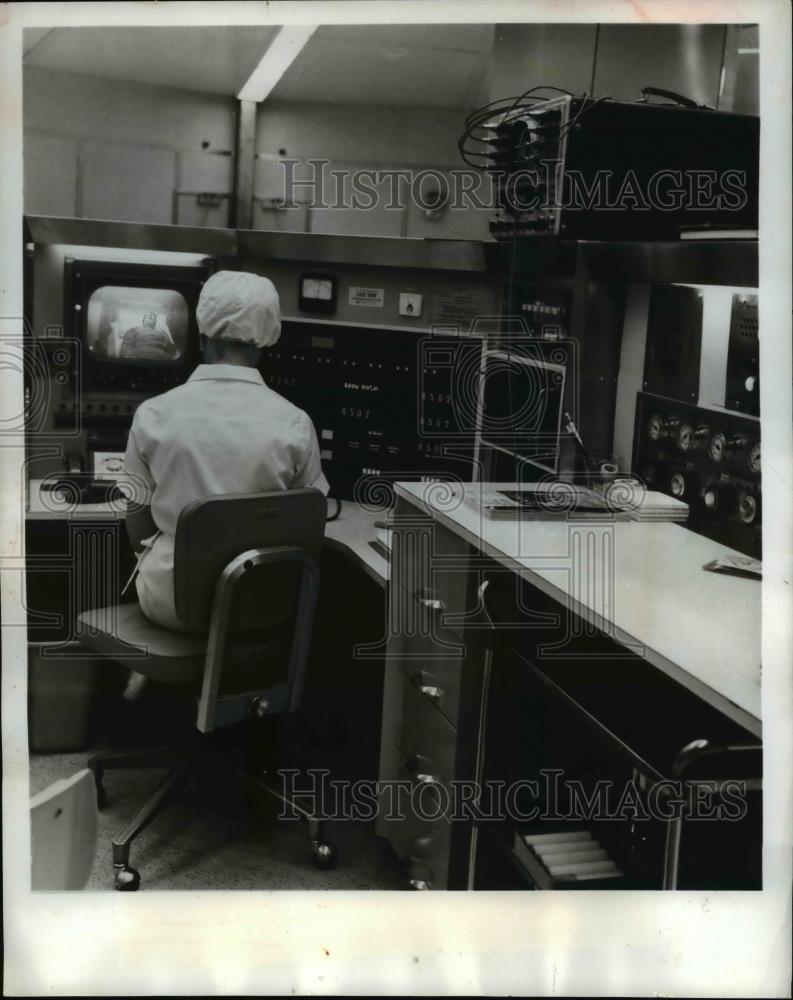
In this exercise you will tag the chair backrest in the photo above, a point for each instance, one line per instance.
(214, 530)
(63, 833)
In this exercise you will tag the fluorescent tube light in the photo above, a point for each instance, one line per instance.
(281, 53)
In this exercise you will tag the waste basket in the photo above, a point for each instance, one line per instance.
(61, 691)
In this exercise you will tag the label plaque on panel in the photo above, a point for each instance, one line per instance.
(369, 297)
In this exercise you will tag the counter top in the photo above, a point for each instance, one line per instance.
(642, 584)
(350, 533)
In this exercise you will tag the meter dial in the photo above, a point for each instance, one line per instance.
(678, 484)
(754, 457)
(690, 438)
(717, 448)
(655, 427)
(747, 508)
(685, 437)
(711, 498)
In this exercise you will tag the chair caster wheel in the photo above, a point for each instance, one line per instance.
(325, 855)
(127, 879)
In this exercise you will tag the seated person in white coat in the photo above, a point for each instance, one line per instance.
(223, 431)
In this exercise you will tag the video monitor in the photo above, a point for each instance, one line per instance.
(136, 324)
(522, 401)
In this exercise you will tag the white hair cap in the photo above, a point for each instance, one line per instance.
(237, 305)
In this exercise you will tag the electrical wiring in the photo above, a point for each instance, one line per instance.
(479, 145)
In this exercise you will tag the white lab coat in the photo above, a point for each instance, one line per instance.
(223, 431)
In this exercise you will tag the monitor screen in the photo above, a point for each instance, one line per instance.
(522, 404)
(132, 324)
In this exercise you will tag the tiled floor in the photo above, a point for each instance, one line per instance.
(206, 842)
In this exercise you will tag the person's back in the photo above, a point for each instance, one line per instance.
(222, 432)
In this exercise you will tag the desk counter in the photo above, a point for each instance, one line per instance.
(643, 584)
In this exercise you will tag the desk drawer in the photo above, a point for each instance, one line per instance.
(432, 565)
(422, 846)
(433, 666)
(427, 740)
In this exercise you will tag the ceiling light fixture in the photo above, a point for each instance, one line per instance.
(281, 53)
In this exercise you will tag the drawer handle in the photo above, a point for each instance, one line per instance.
(414, 879)
(417, 766)
(427, 600)
(420, 681)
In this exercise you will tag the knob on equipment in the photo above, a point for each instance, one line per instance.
(689, 438)
(722, 447)
(748, 508)
(720, 497)
(659, 427)
(678, 485)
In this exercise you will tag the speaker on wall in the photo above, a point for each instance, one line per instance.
(743, 357)
(674, 340)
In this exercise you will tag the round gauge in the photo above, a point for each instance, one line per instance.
(718, 447)
(685, 437)
(655, 427)
(754, 457)
(747, 509)
(711, 498)
(678, 484)
(649, 475)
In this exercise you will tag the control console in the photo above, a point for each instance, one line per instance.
(708, 457)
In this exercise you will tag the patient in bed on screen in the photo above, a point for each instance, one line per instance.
(151, 341)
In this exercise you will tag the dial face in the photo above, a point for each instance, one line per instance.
(685, 437)
(678, 484)
(717, 447)
(747, 509)
(711, 498)
(317, 288)
(754, 457)
(655, 427)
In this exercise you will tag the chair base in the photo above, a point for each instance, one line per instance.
(189, 765)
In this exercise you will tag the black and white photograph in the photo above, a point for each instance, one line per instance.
(397, 464)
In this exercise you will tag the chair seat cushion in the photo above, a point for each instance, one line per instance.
(124, 634)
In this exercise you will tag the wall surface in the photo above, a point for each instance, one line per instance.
(108, 149)
(352, 139)
(712, 64)
(114, 150)
(101, 148)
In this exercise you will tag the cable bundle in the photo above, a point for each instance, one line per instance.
(517, 136)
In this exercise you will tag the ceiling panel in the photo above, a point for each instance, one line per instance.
(214, 60)
(436, 65)
(332, 69)
(450, 37)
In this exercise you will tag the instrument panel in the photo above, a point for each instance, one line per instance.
(386, 404)
(707, 457)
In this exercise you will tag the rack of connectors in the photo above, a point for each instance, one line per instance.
(708, 457)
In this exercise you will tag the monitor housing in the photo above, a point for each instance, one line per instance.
(135, 322)
(522, 405)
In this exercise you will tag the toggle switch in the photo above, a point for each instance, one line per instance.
(410, 304)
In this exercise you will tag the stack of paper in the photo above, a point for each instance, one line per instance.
(564, 501)
(659, 507)
(572, 856)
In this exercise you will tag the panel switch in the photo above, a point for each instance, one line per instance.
(410, 304)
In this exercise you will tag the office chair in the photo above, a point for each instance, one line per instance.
(63, 834)
(702, 763)
(245, 567)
